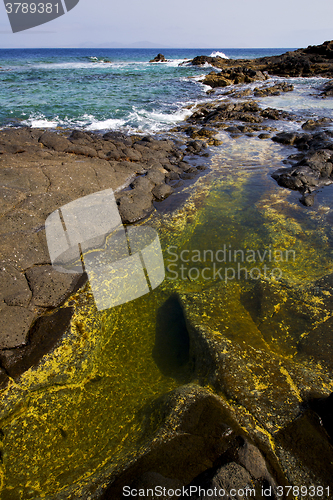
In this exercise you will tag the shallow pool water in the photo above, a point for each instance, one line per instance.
(81, 414)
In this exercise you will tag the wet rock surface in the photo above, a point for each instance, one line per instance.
(39, 172)
(313, 169)
(327, 89)
(201, 445)
(238, 74)
(237, 118)
(263, 414)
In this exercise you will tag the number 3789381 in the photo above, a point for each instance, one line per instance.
(32, 8)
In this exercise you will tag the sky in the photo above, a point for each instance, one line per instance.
(180, 23)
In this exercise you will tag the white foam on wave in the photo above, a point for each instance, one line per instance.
(70, 65)
(108, 124)
(138, 120)
(156, 121)
(174, 63)
(217, 53)
(38, 120)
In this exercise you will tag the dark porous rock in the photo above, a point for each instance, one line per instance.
(118, 138)
(14, 288)
(308, 433)
(314, 170)
(43, 337)
(240, 93)
(235, 75)
(228, 477)
(79, 149)
(216, 80)
(313, 124)
(189, 174)
(171, 176)
(143, 183)
(202, 60)
(50, 288)
(327, 89)
(288, 138)
(213, 113)
(15, 323)
(15, 141)
(156, 175)
(248, 128)
(54, 141)
(285, 179)
(308, 200)
(158, 58)
(276, 89)
(80, 137)
(321, 140)
(275, 114)
(162, 191)
(242, 467)
(196, 147)
(233, 130)
(320, 160)
(134, 205)
(264, 136)
(206, 132)
(324, 408)
(196, 430)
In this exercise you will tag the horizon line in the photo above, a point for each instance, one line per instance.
(151, 48)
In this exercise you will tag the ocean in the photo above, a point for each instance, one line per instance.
(81, 88)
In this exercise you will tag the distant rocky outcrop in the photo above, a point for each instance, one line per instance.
(158, 58)
(314, 60)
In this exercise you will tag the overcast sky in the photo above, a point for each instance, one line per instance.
(180, 23)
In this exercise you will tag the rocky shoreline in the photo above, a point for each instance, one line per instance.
(313, 61)
(43, 170)
(311, 167)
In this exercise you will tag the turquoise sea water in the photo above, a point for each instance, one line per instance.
(81, 88)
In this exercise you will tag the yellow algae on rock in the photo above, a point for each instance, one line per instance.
(81, 414)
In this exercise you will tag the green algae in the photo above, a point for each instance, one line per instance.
(79, 415)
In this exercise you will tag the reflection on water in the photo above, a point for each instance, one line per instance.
(79, 415)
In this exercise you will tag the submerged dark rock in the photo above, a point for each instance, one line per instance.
(276, 89)
(190, 444)
(242, 467)
(327, 89)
